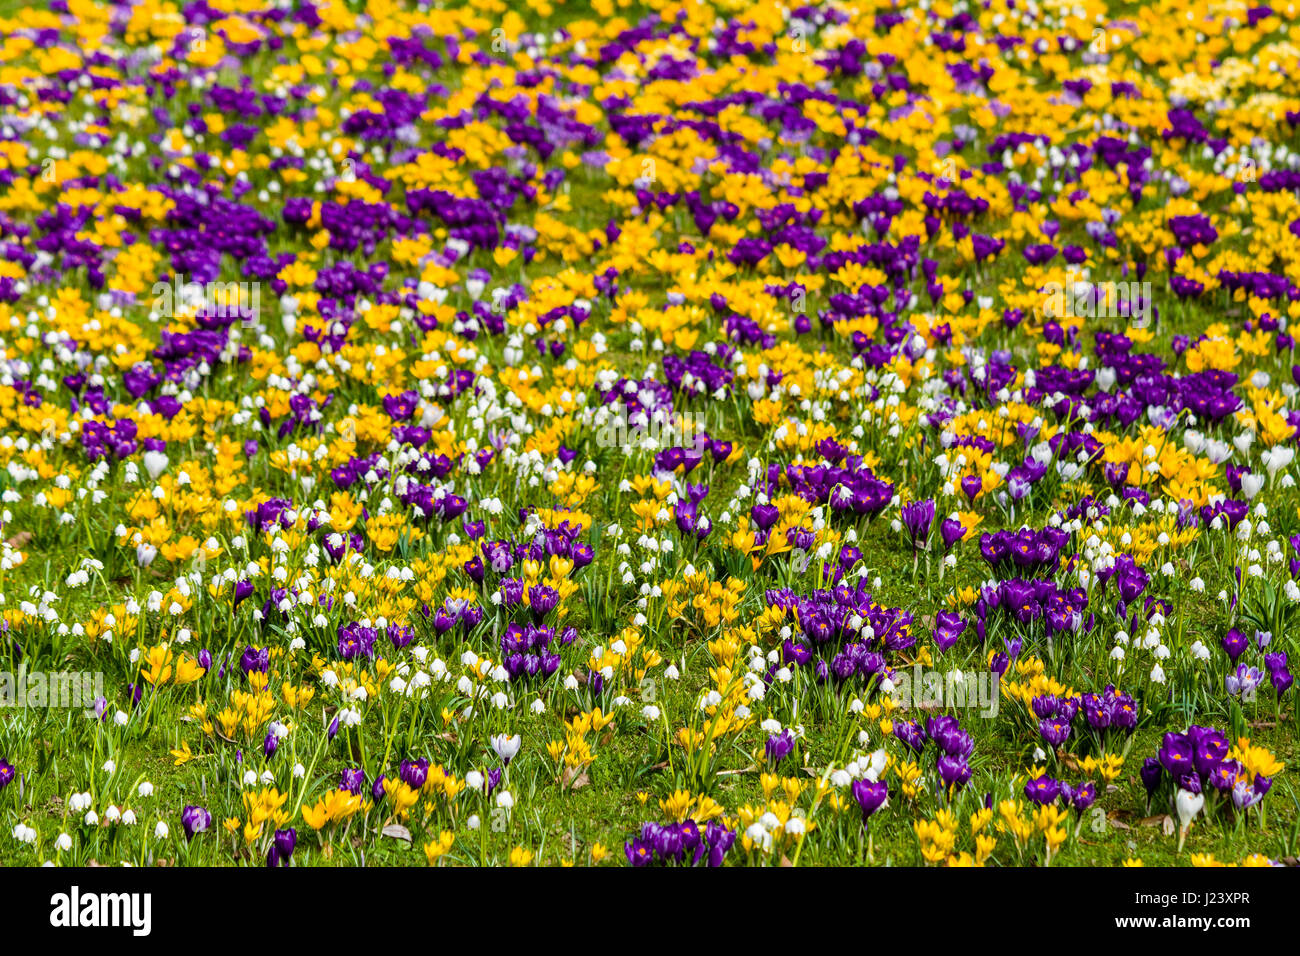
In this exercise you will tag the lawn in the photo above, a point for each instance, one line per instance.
(488, 434)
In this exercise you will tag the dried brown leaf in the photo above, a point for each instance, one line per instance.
(397, 832)
(574, 778)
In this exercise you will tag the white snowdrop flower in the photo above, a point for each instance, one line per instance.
(1197, 585)
(671, 672)
(160, 831)
(504, 800)
(841, 778)
(1157, 675)
(128, 818)
(650, 712)
(474, 780)
(537, 707)
(91, 818)
(63, 843)
(299, 771)
(473, 822)
(570, 683)
(145, 789)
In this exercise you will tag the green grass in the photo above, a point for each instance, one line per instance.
(60, 753)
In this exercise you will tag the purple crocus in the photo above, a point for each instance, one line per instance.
(1235, 643)
(951, 530)
(195, 820)
(871, 796)
(954, 771)
(255, 659)
(948, 627)
(243, 590)
(1244, 796)
(779, 746)
(1043, 790)
(1243, 681)
(1084, 795)
(282, 847)
(917, 518)
(415, 772)
(1152, 773)
(910, 733)
(1054, 731)
(1176, 754)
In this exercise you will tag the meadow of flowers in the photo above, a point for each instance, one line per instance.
(684, 432)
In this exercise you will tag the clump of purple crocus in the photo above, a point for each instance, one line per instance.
(680, 844)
